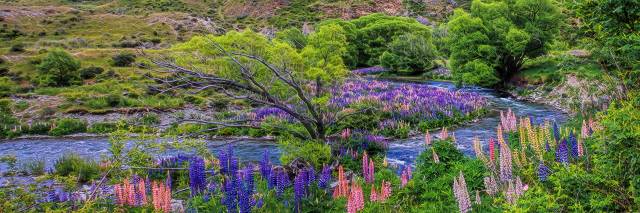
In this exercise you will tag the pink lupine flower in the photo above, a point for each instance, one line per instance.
(373, 196)
(505, 162)
(386, 191)
(404, 178)
(355, 202)
(492, 150)
(436, 159)
(427, 138)
(461, 193)
(444, 134)
(490, 185)
(371, 172)
(346, 133)
(478, 149)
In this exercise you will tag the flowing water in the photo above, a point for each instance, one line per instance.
(400, 152)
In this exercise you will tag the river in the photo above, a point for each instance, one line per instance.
(401, 152)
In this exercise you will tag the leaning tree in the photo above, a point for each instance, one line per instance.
(266, 73)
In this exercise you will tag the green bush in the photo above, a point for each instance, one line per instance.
(66, 126)
(496, 37)
(58, 68)
(6, 118)
(123, 59)
(430, 190)
(19, 47)
(316, 153)
(90, 72)
(34, 167)
(7, 87)
(74, 165)
(103, 128)
(410, 53)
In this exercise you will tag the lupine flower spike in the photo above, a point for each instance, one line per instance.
(461, 193)
(436, 159)
(427, 139)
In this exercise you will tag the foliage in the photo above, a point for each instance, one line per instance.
(316, 153)
(370, 36)
(7, 120)
(34, 167)
(293, 36)
(66, 126)
(613, 25)
(272, 71)
(409, 53)
(7, 87)
(58, 68)
(430, 189)
(123, 59)
(72, 164)
(499, 36)
(90, 72)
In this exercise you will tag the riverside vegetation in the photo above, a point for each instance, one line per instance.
(304, 72)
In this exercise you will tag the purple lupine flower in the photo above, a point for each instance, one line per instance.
(562, 154)
(543, 172)
(556, 131)
(369, 70)
(259, 203)
(311, 176)
(137, 194)
(228, 162)
(273, 179)
(299, 188)
(265, 165)
(230, 195)
(282, 182)
(245, 199)
(197, 179)
(546, 145)
(574, 145)
(325, 177)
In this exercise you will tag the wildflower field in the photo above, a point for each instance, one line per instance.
(319, 106)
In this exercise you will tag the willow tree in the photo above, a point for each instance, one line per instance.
(267, 73)
(490, 43)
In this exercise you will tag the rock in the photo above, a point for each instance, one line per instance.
(177, 206)
(579, 53)
(297, 165)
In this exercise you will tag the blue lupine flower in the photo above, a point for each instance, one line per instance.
(325, 177)
(228, 162)
(574, 145)
(265, 165)
(562, 154)
(197, 179)
(543, 172)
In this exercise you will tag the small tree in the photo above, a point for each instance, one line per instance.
(409, 53)
(499, 35)
(58, 68)
(248, 66)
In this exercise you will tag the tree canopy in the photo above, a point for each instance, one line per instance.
(246, 65)
(499, 35)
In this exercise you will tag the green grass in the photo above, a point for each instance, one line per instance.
(553, 68)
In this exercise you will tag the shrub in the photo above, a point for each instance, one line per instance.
(68, 126)
(103, 128)
(409, 54)
(90, 72)
(7, 87)
(58, 68)
(34, 167)
(316, 153)
(72, 164)
(123, 59)
(19, 47)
